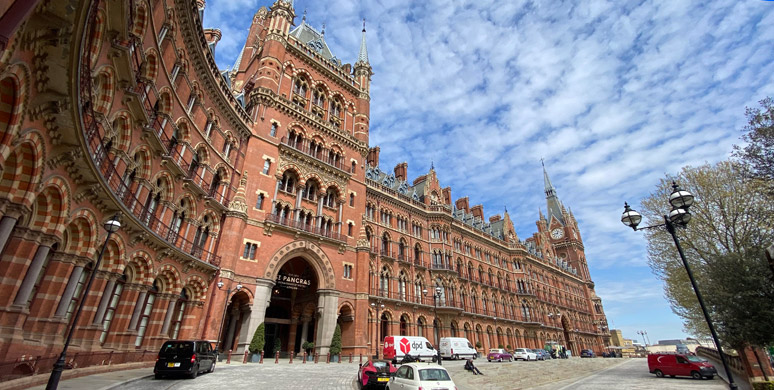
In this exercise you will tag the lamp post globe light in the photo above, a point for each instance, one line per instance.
(225, 308)
(679, 217)
(111, 226)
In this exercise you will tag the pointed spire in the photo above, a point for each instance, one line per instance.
(304, 18)
(549, 188)
(323, 30)
(555, 208)
(363, 55)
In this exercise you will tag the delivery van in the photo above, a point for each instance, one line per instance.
(674, 364)
(396, 347)
(457, 347)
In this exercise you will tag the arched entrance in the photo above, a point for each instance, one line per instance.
(237, 314)
(291, 315)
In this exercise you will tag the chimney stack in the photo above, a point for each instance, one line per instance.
(401, 171)
(373, 156)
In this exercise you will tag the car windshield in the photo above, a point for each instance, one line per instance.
(695, 359)
(434, 374)
(494, 351)
(177, 347)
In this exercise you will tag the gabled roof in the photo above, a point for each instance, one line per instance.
(312, 38)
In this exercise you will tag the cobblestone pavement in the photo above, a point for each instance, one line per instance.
(570, 374)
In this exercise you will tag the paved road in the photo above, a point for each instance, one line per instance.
(265, 376)
(633, 375)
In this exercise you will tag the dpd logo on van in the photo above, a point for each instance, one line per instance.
(405, 346)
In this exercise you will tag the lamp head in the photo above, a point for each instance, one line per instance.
(438, 290)
(680, 198)
(424, 291)
(679, 216)
(373, 304)
(113, 224)
(239, 286)
(630, 217)
(220, 284)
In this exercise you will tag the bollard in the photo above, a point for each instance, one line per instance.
(328, 358)
(244, 360)
(361, 358)
(262, 353)
(304, 362)
(316, 357)
(350, 357)
(276, 357)
(228, 360)
(291, 357)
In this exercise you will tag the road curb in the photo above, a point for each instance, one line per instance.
(114, 385)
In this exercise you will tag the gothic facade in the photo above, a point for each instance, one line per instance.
(260, 177)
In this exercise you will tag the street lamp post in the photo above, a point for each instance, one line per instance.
(679, 216)
(554, 316)
(437, 327)
(641, 333)
(111, 226)
(225, 308)
(378, 323)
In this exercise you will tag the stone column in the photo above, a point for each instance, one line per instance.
(137, 308)
(61, 310)
(261, 301)
(232, 322)
(327, 305)
(6, 226)
(304, 329)
(106, 296)
(32, 273)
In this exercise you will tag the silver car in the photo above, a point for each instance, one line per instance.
(524, 354)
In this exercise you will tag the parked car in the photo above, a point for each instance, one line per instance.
(375, 374)
(499, 355)
(682, 348)
(415, 376)
(587, 353)
(524, 354)
(541, 354)
(674, 364)
(185, 357)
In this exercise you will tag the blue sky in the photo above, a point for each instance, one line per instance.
(613, 95)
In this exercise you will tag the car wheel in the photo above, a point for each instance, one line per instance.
(695, 375)
(194, 372)
(158, 376)
(659, 373)
(212, 367)
(500, 360)
(710, 377)
(488, 360)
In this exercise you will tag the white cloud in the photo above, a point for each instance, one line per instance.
(613, 94)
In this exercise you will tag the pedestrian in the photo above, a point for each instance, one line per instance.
(472, 368)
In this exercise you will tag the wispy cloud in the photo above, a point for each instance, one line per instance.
(612, 94)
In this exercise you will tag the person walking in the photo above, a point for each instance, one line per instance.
(472, 368)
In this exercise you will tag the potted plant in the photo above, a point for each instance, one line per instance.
(336, 344)
(257, 343)
(478, 346)
(308, 346)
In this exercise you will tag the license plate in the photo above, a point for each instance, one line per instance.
(383, 380)
(173, 364)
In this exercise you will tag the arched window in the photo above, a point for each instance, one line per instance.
(401, 250)
(178, 314)
(421, 327)
(384, 282)
(417, 253)
(80, 283)
(115, 297)
(385, 245)
(402, 285)
(145, 311)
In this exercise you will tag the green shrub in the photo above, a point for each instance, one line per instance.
(500, 346)
(336, 341)
(763, 385)
(508, 347)
(259, 340)
(478, 344)
(277, 345)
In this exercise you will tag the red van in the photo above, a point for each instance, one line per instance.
(674, 364)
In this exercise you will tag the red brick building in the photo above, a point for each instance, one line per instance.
(260, 177)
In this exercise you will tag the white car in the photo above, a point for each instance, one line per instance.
(415, 376)
(524, 354)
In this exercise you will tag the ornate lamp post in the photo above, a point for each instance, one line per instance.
(378, 323)
(111, 226)
(679, 216)
(437, 327)
(225, 308)
(553, 315)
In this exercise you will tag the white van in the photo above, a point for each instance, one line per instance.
(457, 347)
(396, 347)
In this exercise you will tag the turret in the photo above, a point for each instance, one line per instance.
(281, 16)
(363, 73)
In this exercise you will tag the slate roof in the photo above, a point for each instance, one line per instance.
(314, 39)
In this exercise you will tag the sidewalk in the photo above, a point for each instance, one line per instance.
(740, 381)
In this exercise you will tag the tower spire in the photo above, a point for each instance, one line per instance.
(554, 206)
(363, 55)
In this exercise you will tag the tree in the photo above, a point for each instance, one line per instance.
(724, 243)
(277, 345)
(336, 341)
(259, 340)
(758, 155)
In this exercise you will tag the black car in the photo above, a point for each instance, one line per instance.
(587, 353)
(185, 357)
